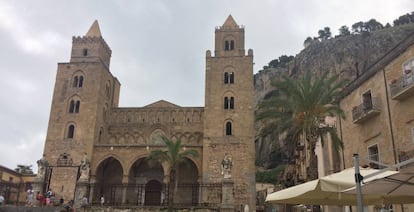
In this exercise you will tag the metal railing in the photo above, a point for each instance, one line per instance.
(401, 84)
(142, 195)
(366, 110)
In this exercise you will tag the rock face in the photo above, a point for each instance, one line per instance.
(348, 56)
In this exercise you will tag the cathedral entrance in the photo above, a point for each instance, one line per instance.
(145, 183)
(153, 193)
(188, 188)
(108, 181)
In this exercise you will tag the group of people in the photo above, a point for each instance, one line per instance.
(46, 199)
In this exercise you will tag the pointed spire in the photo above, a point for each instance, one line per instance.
(94, 31)
(230, 22)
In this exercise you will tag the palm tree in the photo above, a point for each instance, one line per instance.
(174, 155)
(298, 110)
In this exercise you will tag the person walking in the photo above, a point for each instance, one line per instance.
(1, 199)
(84, 203)
(29, 198)
(102, 200)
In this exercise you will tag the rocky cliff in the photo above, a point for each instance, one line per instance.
(349, 56)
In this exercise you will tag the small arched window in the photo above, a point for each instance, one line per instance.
(85, 52)
(77, 81)
(71, 131)
(77, 105)
(80, 84)
(228, 77)
(231, 44)
(74, 106)
(226, 45)
(228, 128)
(226, 103)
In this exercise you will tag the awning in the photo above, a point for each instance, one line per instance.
(327, 190)
(397, 188)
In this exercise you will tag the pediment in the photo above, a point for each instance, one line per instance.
(162, 104)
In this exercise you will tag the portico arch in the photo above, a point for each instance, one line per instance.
(188, 175)
(109, 175)
(144, 175)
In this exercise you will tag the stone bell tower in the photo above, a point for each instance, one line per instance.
(84, 91)
(229, 114)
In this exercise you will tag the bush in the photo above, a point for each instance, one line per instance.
(269, 176)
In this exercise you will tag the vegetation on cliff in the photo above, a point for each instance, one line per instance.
(347, 55)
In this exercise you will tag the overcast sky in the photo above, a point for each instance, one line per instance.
(158, 49)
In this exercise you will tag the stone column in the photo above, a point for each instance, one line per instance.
(124, 189)
(81, 191)
(37, 186)
(92, 182)
(227, 201)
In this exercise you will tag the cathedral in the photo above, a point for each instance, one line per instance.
(95, 148)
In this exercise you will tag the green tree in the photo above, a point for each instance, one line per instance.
(344, 31)
(325, 33)
(299, 110)
(24, 169)
(307, 41)
(174, 155)
(372, 25)
(404, 19)
(269, 176)
(357, 27)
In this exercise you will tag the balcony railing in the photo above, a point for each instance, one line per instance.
(403, 87)
(365, 111)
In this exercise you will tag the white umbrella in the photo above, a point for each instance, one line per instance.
(327, 190)
(397, 188)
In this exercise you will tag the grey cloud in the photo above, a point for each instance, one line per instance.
(158, 50)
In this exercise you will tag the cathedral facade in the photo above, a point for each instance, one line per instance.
(95, 148)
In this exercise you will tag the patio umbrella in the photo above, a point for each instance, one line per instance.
(397, 188)
(327, 190)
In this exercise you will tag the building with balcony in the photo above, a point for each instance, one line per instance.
(379, 124)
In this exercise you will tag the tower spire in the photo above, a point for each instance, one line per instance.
(94, 31)
(230, 22)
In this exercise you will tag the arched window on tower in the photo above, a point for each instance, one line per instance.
(226, 78)
(71, 131)
(74, 106)
(77, 105)
(80, 84)
(75, 81)
(228, 128)
(85, 52)
(228, 103)
(226, 45)
(231, 44)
